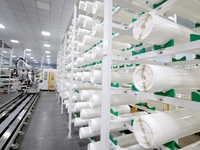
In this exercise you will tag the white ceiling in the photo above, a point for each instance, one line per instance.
(24, 22)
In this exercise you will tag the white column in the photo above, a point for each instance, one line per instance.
(106, 78)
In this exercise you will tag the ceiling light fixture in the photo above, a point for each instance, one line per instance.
(28, 54)
(2, 26)
(14, 41)
(47, 52)
(48, 56)
(45, 33)
(41, 5)
(46, 45)
(28, 50)
(13, 56)
(31, 57)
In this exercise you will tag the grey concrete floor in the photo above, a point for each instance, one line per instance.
(48, 128)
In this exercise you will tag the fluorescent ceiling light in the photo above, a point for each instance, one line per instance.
(28, 50)
(48, 56)
(13, 56)
(28, 54)
(42, 5)
(46, 45)
(45, 33)
(2, 26)
(14, 41)
(47, 52)
(31, 57)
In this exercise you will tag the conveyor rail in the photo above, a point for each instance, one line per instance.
(11, 125)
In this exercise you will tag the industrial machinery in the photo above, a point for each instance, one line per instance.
(27, 76)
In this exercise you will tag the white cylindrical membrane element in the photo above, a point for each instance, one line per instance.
(87, 58)
(88, 7)
(162, 78)
(97, 53)
(81, 33)
(95, 123)
(122, 109)
(147, 27)
(191, 10)
(81, 19)
(76, 98)
(90, 41)
(86, 76)
(84, 132)
(97, 30)
(194, 146)
(89, 22)
(90, 113)
(115, 100)
(122, 141)
(82, 47)
(82, 86)
(159, 128)
(86, 94)
(80, 105)
(120, 45)
(127, 39)
(98, 9)
(78, 62)
(116, 77)
(78, 76)
(81, 5)
(80, 122)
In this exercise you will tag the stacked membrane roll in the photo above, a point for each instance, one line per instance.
(82, 48)
(118, 99)
(81, 5)
(116, 77)
(90, 41)
(147, 27)
(81, 33)
(162, 78)
(88, 7)
(81, 19)
(159, 128)
(98, 9)
(89, 22)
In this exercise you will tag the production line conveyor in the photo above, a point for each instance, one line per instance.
(13, 115)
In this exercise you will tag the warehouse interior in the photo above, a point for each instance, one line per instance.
(100, 74)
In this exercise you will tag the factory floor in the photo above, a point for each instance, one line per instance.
(47, 129)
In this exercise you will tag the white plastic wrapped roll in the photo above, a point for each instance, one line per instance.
(98, 9)
(88, 7)
(127, 39)
(79, 62)
(87, 58)
(122, 141)
(89, 22)
(159, 128)
(194, 146)
(82, 47)
(147, 27)
(123, 109)
(123, 99)
(116, 77)
(80, 122)
(86, 76)
(86, 94)
(95, 124)
(81, 19)
(120, 45)
(81, 5)
(90, 113)
(80, 105)
(82, 86)
(97, 30)
(97, 53)
(162, 78)
(76, 98)
(78, 76)
(81, 33)
(90, 41)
